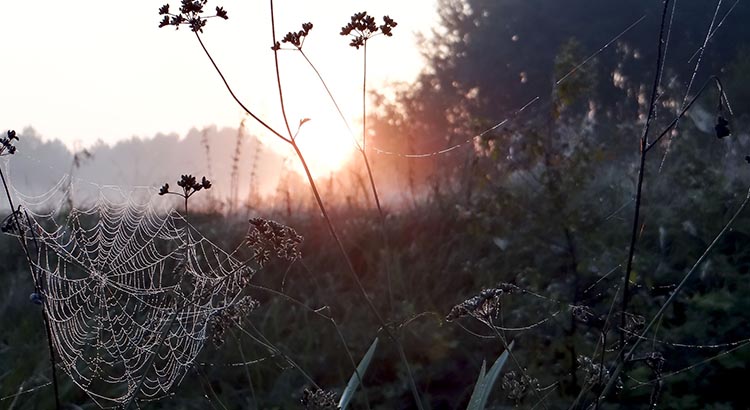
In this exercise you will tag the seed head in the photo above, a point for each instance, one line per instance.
(268, 237)
(229, 316)
(362, 27)
(6, 144)
(318, 399)
(191, 14)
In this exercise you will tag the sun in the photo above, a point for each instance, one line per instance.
(326, 144)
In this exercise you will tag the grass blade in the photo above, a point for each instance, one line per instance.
(478, 387)
(354, 381)
(485, 382)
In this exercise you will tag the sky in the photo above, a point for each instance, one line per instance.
(92, 70)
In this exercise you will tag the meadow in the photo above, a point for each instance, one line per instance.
(582, 249)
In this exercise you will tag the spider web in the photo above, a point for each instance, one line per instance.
(132, 292)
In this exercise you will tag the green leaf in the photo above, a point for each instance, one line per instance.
(354, 381)
(476, 395)
(485, 382)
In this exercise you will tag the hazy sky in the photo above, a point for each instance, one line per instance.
(89, 69)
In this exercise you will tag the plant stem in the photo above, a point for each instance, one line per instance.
(364, 99)
(641, 171)
(323, 210)
(329, 222)
(361, 149)
(231, 92)
(330, 95)
(627, 356)
(278, 76)
(684, 111)
(38, 289)
(247, 371)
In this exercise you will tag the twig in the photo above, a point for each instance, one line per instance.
(671, 298)
(641, 171)
(37, 289)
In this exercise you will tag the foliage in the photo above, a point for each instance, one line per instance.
(538, 217)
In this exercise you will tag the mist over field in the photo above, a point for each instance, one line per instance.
(149, 162)
(554, 213)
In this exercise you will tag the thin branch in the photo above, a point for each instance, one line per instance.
(684, 111)
(37, 288)
(616, 372)
(231, 92)
(641, 172)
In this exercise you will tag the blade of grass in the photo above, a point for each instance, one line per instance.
(357, 376)
(485, 382)
(475, 395)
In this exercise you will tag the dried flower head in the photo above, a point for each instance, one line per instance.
(581, 313)
(318, 399)
(229, 316)
(594, 373)
(634, 325)
(362, 27)
(189, 185)
(6, 144)
(268, 237)
(585, 314)
(295, 38)
(518, 385)
(484, 305)
(656, 360)
(191, 14)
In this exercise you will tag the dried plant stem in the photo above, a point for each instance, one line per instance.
(672, 124)
(247, 371)
(318, 313)
(627, 356)
(237, 100)
(353, 272)
(331, 227)
(365, 158)
(38, 289)
(333, 99)
(263, 341)
(512, 355)
(363, 150)
(210, 387)
(712, 79)
(641, 171)
(326, 217)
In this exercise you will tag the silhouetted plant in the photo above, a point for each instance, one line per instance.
(295, 38)
(6, 143)
(363, 27)
(13, 224)
(268, 237)
(227, 318)
(189, 186)
(194, 13)
(191, 14)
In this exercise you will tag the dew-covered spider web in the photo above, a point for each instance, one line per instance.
(132, 291)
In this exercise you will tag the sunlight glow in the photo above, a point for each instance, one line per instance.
(75, 76)
(325, 147)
